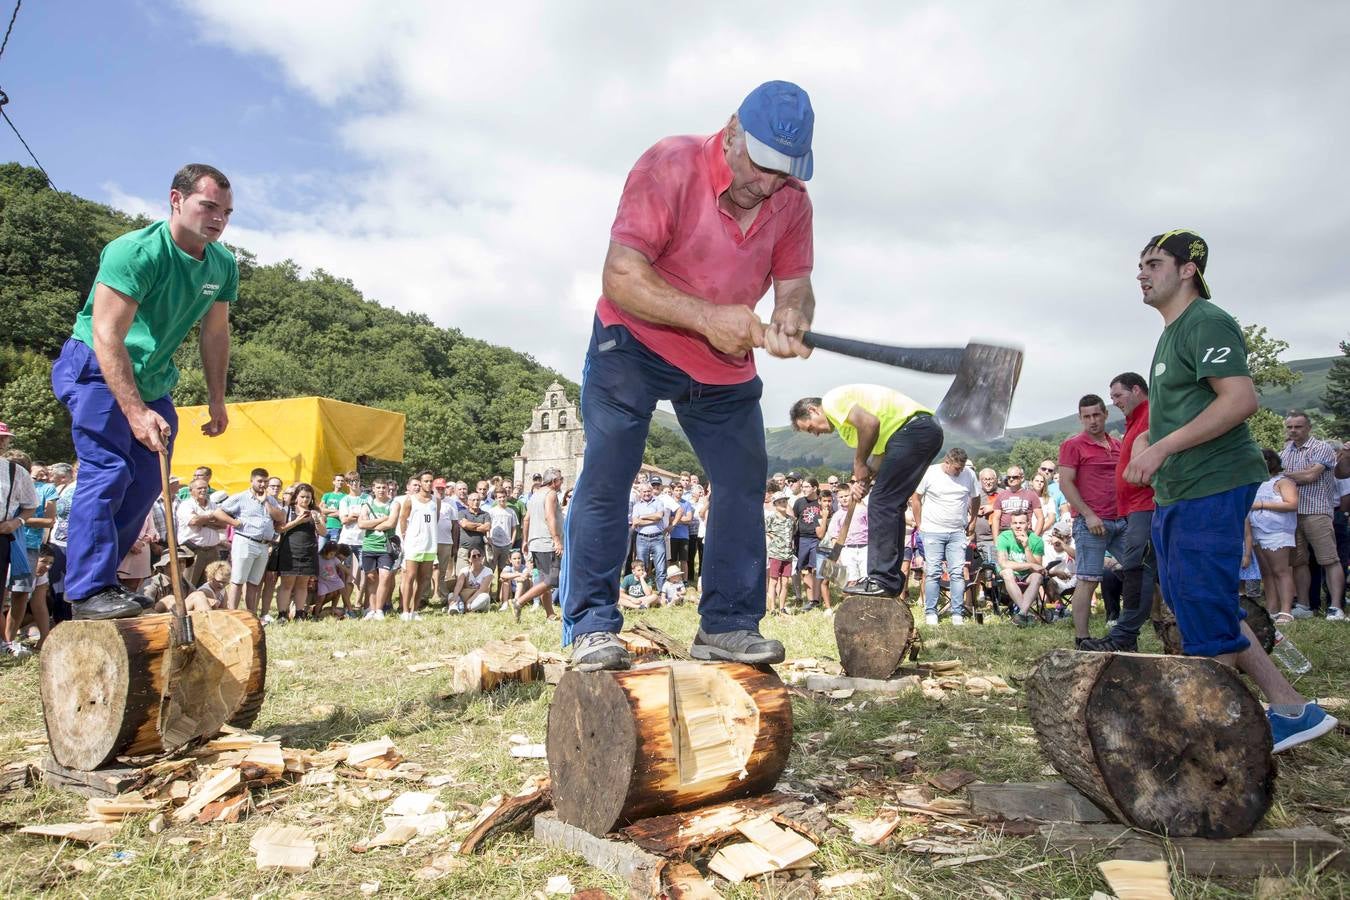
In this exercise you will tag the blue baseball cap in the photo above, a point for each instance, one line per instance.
(778, 122)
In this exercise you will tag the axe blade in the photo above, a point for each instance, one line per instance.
(981, 394)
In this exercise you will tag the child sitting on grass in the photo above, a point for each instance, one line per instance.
(672, 592)
(635, 591)
(332, 583)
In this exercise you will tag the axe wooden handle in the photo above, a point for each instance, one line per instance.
(936, 360)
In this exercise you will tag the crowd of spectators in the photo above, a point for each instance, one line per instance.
(367, 550)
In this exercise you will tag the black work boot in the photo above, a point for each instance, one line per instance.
(110, 603)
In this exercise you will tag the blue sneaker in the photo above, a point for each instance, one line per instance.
(1290, 731)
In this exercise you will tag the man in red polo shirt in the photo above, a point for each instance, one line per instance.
(1087, 476)
(705, 226)
(1129, 393)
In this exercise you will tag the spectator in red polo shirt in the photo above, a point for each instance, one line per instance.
(1087, 475)
(1129, 393)
(705, 226)
(1015, 498)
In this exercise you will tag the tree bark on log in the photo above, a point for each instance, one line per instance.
(872, 634)
(1171, 744)
(101, 684)
(662, 738)
(1165, 625)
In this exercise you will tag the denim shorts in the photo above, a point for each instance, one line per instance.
(1092, 548)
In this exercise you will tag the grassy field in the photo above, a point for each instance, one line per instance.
(314, 697)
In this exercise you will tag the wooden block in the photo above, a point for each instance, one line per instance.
(824, 683)
(1277, 851)
(683, 882)
(737, 862)
(117, 808)
(284, 847)
(1135, 879)
(1040, 801)
(785, 848)
(640, 869)
(105, 782)
(21, 776)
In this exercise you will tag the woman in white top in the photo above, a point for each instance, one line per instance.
(417, 516)
(1270, 533)
(1042, 489)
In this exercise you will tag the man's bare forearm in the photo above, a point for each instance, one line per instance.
(631, 283)
(111, 351)
(799, 296)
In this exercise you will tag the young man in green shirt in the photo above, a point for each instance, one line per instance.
(893, 436)
(116, 371)
(1204, 467)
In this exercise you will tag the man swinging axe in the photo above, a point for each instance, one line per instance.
(116, 370)
(894, 439)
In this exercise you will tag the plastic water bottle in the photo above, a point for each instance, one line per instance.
(1289, 656)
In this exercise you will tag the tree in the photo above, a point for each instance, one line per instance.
(1336, 397)
(1028, 452)
(1263, 360)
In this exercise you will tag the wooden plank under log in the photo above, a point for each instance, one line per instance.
(1277, 851)
(1171, 744)
(872, 634)
(108, 781)
(662, 738)
(101, 684)
(1037, 801)
(641, 870)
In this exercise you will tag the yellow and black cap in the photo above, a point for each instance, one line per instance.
(1186, 246)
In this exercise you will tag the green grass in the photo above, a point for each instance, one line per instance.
(369, 693)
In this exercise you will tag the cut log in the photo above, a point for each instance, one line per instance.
(495, 663)
(663, 738)
(512, 814)
(872, 634)
(1165, 625)
(102, 681)
(1175, 745)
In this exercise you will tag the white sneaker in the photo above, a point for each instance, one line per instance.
(416, 617)
(370, 614)
(958, 620)
(267, 619)
(17, 650)
(377, 614)
(930, 619)
(1335, 615)
(405, 617)
(506, 604)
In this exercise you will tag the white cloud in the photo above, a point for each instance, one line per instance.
(987, 169)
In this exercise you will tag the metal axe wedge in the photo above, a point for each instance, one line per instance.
(981, 394)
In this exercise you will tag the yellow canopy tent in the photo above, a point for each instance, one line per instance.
(302, 439)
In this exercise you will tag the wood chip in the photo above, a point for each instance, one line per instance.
(209, 789)
(417, 668)
(413, 803)
(120, 807)
(842, 881)
(284, 847)
(737, 862)
(1133, 879)
(870, 831)
(359, 755)
(962, 860)
(785, 848)
(528, 751)
(559, 884)
(951, 780)
(683, 882)
(80, 832)
(395, 834)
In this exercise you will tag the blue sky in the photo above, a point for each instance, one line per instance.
(983, 170)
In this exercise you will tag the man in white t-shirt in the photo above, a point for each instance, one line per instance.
(201, 529)
(944, 506)
(501, 536)
(350, 534)
(445, 537)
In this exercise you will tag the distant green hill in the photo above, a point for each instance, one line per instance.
(789, 449)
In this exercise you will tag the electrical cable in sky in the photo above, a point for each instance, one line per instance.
(14, 15)
(4, 99)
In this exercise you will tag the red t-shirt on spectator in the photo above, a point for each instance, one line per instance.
(669, 213)
(1132, 498)
(1094, 472)
(1008, 502)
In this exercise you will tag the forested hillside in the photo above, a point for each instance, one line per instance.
(467, 401)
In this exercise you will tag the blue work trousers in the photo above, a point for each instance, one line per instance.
(119, 476)
(651, 549)
(620, 386)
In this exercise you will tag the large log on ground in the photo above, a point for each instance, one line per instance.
(664, 737)
(1165, 624)
(1171, 744)
(872, 634)
(101, 684)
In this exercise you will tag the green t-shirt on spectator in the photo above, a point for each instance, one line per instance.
(1007, 543)
(333, 500)
(1204, 342)
(376, 541)
(172, 290)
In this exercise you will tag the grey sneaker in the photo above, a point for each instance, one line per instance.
(1300, 612)
(17, 650)
(598, 650)
(743, 646)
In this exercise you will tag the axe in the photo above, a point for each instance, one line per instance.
(981, 394)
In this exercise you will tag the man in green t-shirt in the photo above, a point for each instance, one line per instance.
(1020, 553)
(330, 505)
(1204, 467)
(893, 436)
(116, 371)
